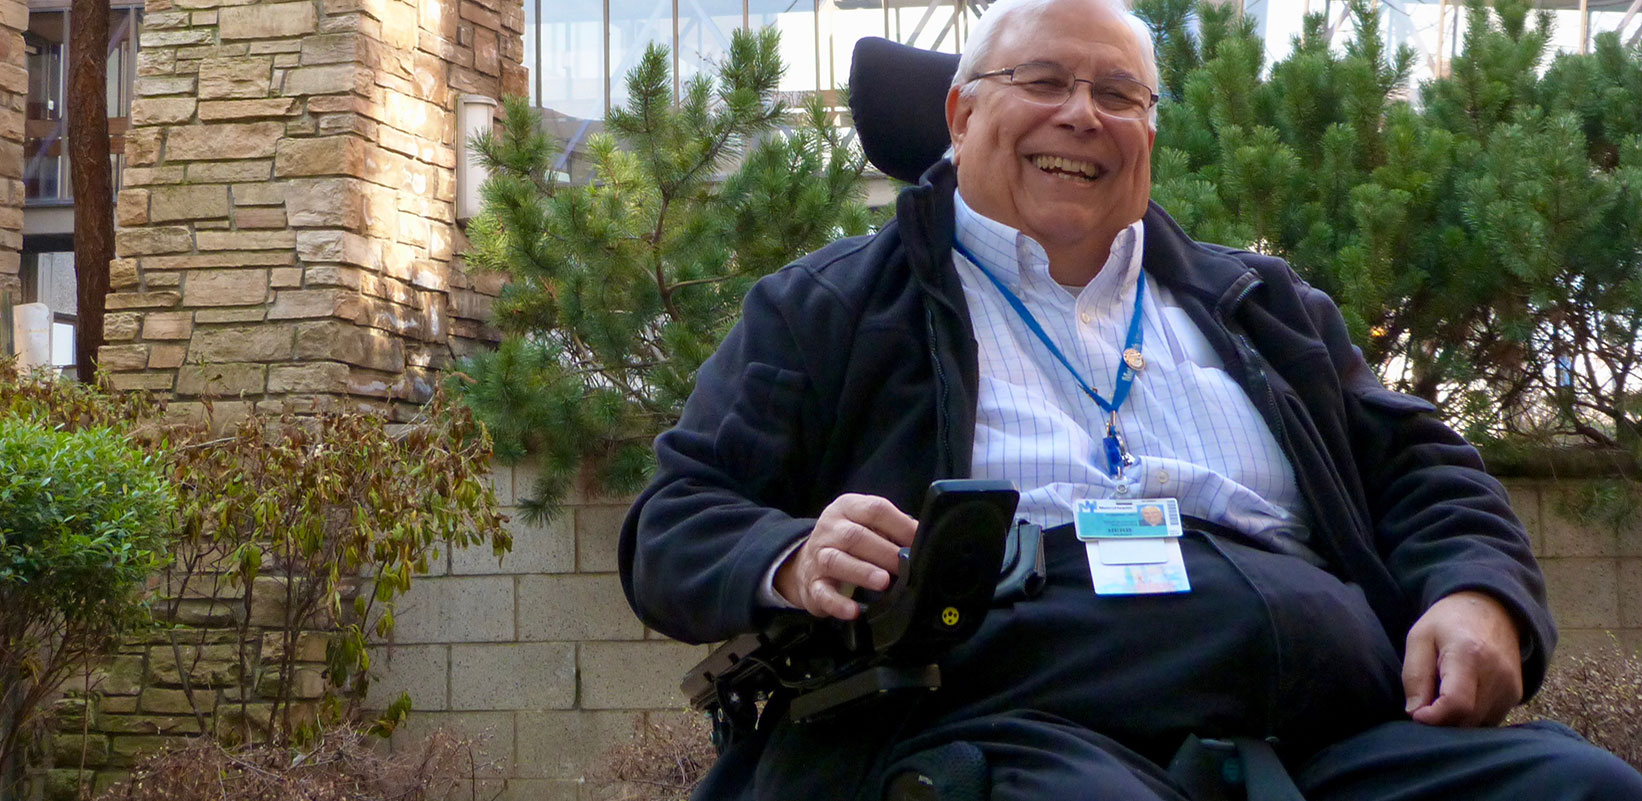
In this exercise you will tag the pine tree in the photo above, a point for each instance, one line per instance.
(621, 287)
(1484, 244)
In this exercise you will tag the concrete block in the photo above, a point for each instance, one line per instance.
(563, 745)
(1565, 536)
(500, 480)
(537, 548)
(1630, 535)
(423, 671)
(547, 790)
(456, 609)
(598, 528)
(1630, 592)
(575, 607)
(635, 675)
(1584, 591)
(513, 676)
(1525, 502)
(1584, 642)
(491, 731)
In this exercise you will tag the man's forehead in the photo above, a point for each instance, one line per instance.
(1072, 29)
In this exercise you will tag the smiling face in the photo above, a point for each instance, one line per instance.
(1067, 176)
(1152, 515)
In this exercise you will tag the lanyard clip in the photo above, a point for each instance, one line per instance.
(1117, 451)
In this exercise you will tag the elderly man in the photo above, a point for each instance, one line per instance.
(1351, 586)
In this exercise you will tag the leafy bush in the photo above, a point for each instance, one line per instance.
(84, 520)
(289, 525)
(310, 505)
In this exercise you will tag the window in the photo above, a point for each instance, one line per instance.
(49, 278)
(46, 170)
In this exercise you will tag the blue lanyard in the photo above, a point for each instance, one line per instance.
(1117, 452)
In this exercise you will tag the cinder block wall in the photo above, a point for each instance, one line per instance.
(1594, 573)
(542, 655)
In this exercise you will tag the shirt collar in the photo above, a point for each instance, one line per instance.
(1016, 259)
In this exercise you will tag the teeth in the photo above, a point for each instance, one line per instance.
(1085, 168)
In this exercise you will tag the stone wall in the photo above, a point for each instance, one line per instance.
(542, 655)
(287, 231)
(14, 89)
(176, 683)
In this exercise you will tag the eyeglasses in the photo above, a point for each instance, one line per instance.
(1051, 84)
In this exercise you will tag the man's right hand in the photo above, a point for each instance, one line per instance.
(855, 541)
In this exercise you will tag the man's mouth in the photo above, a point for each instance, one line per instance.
(1070, 169)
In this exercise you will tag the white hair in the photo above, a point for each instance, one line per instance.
(983, 37)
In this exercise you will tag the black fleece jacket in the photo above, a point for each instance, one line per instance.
(854, 370)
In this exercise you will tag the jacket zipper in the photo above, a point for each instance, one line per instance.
(942, 424)
(1257, 380)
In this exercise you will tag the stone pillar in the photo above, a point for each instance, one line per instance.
(14, 90)
(287, 229)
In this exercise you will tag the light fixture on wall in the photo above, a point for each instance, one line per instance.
(474, 114)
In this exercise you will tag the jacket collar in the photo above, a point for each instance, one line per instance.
(925, 216)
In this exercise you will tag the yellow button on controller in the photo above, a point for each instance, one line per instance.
(949, 616)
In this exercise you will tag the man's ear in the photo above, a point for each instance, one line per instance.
(958, 109)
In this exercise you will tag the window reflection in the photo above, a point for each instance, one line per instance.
(579, 53)
(704, 31)
(569, 77)
(634, 25)
(46, 169)
(796, 20)
(930, 24)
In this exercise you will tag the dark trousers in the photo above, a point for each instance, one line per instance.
(1078, 696)
(1034, 758)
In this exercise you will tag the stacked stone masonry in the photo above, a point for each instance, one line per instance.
(215, 669)
(287, 234)
(14, 87)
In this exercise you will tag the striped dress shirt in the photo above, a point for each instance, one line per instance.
(1195, 433)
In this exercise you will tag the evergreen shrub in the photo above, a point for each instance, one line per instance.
(84, 520)
(1482, 232)
(621, 287)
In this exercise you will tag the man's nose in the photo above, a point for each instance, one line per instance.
(1079, 112)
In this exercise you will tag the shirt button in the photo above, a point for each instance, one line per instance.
(1162, 476)
(1086, 318)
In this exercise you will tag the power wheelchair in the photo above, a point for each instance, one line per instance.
(967, 535)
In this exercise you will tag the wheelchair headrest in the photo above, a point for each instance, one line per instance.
(898, 101)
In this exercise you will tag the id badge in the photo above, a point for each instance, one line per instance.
(1133, 545)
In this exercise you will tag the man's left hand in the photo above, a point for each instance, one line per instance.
(1463, 665)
